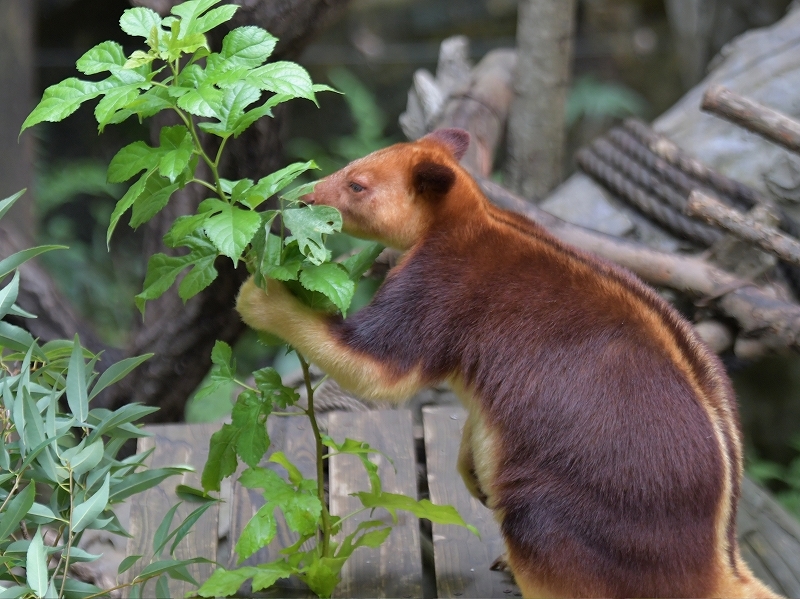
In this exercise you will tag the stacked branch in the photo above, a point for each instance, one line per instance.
(658, 178)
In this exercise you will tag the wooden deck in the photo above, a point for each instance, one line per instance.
(415, 561)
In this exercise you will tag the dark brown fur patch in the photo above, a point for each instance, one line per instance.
(432, 179)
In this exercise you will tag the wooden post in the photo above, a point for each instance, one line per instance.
(536, 122)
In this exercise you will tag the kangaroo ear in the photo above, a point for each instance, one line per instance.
(455, 140)
(430, 178)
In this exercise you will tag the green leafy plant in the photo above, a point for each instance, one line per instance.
(785, 479)
(59, 471)
(222, 94)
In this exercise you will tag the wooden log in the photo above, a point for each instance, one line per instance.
(462, 560)
(768, 123)
(395, 568)
(744, 227)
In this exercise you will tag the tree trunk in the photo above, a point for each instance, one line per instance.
(181, 336)
(16, 98)
(536, 123)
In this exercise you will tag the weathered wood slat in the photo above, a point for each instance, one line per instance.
(770, 540)
(462, 559)
(175, 444)
(395, 568)
(294, 437)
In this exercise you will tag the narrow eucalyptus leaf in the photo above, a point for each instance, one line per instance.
(15, 511)
(36, 565)
(85, 513)
(8, 295)
(116, 372)
(5, 205)
(77, 396)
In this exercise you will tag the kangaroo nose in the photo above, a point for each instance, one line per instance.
(308, 198)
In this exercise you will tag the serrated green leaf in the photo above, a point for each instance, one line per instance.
(275, 182)
(213, 18)
(332, 280)
(249, 417)
(235, 99)
(283, 77)
(231, 228)
(106, 56)
(270, 385)
(114, 101)
(177, 146)
(251, 116)
(224, 583)
(248, 46)
(137, 59)
(221, 458)
(15, 511)
(153, 198)
(182, 227)
(36, 565)
(162, 271)
(280, 264)
(77, 396)
(439, 514)
(117, 372)
(296, 193)
(201, 101)
(132, 159)
(134, 191)
(360, 263)
(308, 226)
(189, 12)
(85, 513)
(295, 476)
(301, 509)
(323, 574)
(62, 99)
(139, 21)
(257, 533)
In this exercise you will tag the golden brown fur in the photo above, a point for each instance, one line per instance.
(601, 430)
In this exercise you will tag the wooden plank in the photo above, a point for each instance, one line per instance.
(772, 539)
(395, 568)
(175, 444)
(293, 436)
(462, 559)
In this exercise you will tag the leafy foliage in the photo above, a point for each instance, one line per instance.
(221, 93)
(72, 454)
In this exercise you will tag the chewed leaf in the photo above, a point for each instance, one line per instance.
(309, 225)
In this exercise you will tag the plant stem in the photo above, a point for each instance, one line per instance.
(69, 536)
(326, 519)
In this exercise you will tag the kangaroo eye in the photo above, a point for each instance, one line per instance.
(356, 187)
